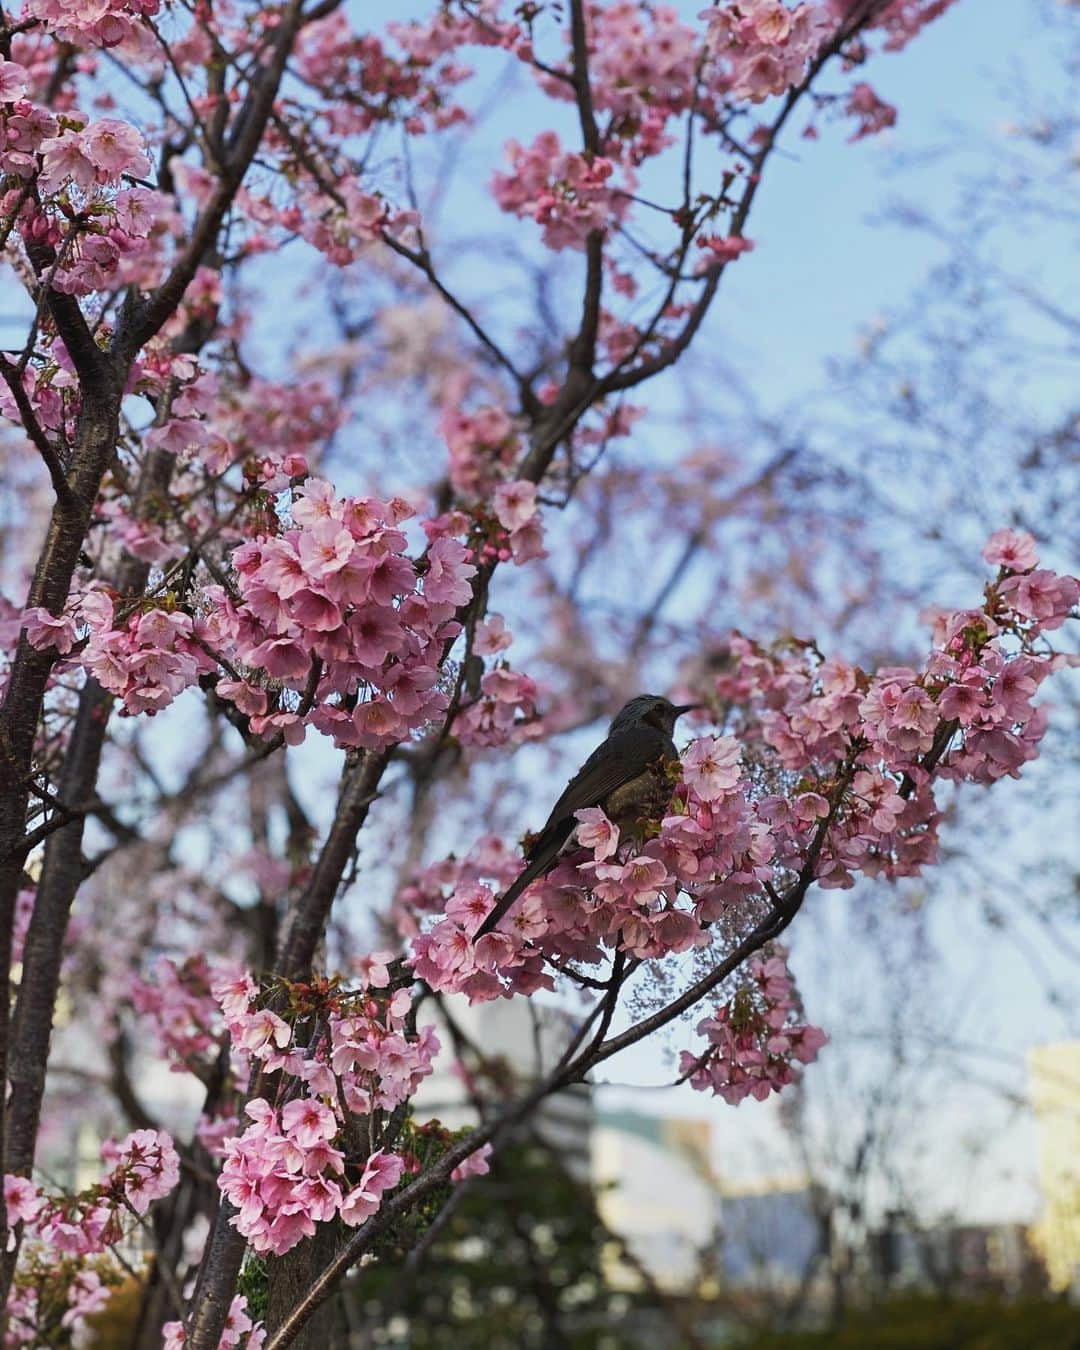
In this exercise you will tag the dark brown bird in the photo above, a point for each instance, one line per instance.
(627, 776)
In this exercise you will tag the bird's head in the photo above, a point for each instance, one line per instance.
(651, 709)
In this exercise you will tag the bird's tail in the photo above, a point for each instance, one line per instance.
(542, 858)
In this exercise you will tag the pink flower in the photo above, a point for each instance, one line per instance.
(312, 610)
(1042, 596)
(711, 766)
(771, 20)
(675, 930)
(874, 114)
(282, 658)
(22, 1199)
(722, 250)
(261, 1031)
(12, 81)
(247, 697)
(316, 501)
(280, 569)
(492, 636)
(508, 686)
(358, 1205)
(595, 831)
(308, 1122)
(515, 504)
(325, 548)
(373, 968)
(234, 990)
(965, 699)
(447, 577)
(64, 157)
(1012, 549)
(475, 1165)
(44, 630)
(382, 1172)
(376, 632)
(470, 906)
(115, 147)
(642, 878)
(147, 1165)
(86, 1296)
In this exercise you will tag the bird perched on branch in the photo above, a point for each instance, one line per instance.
(627, 776)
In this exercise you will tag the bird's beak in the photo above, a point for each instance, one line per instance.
(681, 708)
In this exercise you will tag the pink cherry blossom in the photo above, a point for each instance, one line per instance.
(475, 1165)
(515, 504)
(13, 81)
(596, 832)
(44, 630)
(1014, 550)
(115, 147)
(308, 1122)
(711, 766)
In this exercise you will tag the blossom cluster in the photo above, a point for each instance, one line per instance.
(710, 850)
(366, 83)
(643, 63)
(101, 228)
(901, 20)
(482, 445)
(646, 68)
(336, 593)
(180, 1009)
(105, 23)
(569, 194)
(284, 1176)
(146, 661)
(874, 114)
(754, 1038)
(244, 444)
(238, 1333)
(295, 1164)
(328, 621)
(67, 1240)
(70, 1289)
(844, 768)
(761, 48)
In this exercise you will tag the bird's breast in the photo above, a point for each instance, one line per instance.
(645, 797)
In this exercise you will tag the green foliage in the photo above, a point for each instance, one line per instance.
(920, 1323)
(254, 1284)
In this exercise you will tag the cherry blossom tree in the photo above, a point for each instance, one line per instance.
(223, 572)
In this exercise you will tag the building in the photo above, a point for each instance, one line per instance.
(1054, 1076)
(770, 1235)
(520, 1043)
(970, 1259)
(656, 1189)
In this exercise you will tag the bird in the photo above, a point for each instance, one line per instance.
(627, 776)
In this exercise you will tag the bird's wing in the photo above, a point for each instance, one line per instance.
(619, 759)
